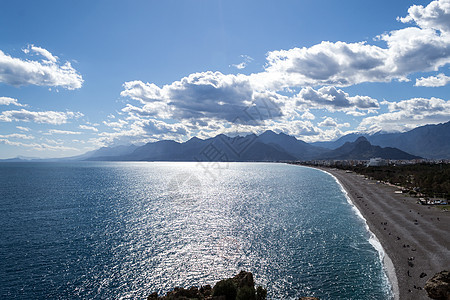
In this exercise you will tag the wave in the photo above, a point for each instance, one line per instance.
(388, 266)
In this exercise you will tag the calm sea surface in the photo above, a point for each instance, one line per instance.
(125, 230)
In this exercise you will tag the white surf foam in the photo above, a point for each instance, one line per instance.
(388, 266)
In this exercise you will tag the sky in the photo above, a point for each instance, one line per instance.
(79, 75)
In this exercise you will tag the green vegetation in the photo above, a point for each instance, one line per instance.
(432, 180)
(444, 207)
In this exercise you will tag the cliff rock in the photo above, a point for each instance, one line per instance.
(438, 287)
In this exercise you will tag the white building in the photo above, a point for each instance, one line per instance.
(376, 162)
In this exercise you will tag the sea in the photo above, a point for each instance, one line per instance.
(122, 230)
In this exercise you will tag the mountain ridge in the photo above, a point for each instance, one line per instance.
(268, 146)
(430, 141)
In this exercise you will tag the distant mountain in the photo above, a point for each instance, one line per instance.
(268, 146)
(361, 149)
(219, 148)
(429, 141)
(351, 137)
(297, 148)
(113, 151)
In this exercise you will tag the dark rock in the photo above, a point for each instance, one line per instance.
(226, 288)
(308, 298)
(239, 287)
(261, 293)
(438, 287)
(244, 279)
(153, 296)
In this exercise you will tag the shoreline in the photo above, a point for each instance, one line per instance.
(386, 261)
(388, 265)
(413, 237)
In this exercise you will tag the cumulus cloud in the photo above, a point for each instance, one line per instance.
(435, 15)
(328, 122)
(8, 101)
(412, 49)
(408, 114)
(334, 99)
(48, 117)
(433, 81)
(46, 72)
(118, 124)
(144, 130)
(202, 102)
(326, 63)
(199, 95)
(308, 116)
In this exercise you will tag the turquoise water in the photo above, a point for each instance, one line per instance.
(124, 230)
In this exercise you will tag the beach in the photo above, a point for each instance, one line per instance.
(415, 237)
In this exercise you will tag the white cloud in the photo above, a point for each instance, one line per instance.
(408, 114)
(48, 72)
(8, 101)
(327, 63)
(356, 113)
(435, 15)
(48, 117)
(87, 127)
(333, 99)
(433, 81)
(67, 132)
(26, 129)
(308, 116)
(201, 103)
(409, 50)
(119, 124)
(199, 95)
(36, 146)
(41, 51)
(243, 65)
(17, 136)
(328, 122)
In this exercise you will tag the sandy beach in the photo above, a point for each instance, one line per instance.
(416, 238)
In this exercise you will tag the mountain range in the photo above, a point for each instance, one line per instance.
(430, 141)
(268, 146)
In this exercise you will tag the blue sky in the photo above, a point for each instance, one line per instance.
(78, 75)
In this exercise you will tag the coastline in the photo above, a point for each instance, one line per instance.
(413, 238)
(388, 266)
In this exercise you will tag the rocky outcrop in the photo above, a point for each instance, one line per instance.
(239, 287)
(438, 287)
